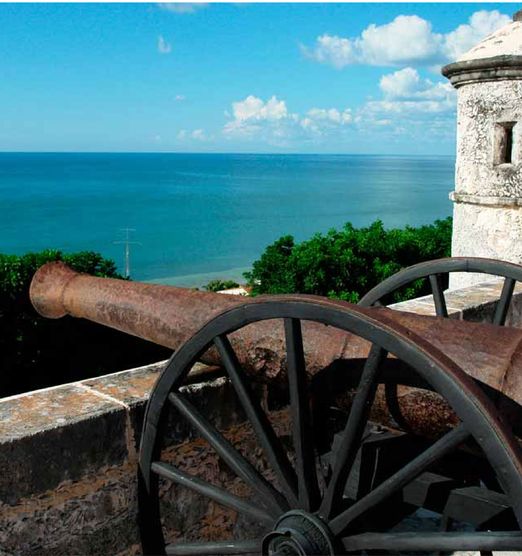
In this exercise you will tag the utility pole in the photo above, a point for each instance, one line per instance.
(127, 242)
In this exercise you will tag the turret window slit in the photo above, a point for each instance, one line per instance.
(504, 143)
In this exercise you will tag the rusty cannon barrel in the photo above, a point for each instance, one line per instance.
(165, 315)
(169, 316)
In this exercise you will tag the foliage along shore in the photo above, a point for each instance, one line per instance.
(347, 263)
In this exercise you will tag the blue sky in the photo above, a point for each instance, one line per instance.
(336, 78)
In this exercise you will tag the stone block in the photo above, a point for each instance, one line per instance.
(131, 387)
(56, 435)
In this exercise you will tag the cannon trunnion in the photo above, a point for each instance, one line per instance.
(332, 459)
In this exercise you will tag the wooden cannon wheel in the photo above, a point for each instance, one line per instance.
(437, 272)
(437, 269)
(301, 509)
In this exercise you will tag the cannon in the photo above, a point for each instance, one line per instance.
(371, 414)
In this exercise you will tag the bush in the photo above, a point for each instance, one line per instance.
(347, 263)
(36, 352)
(218, 285)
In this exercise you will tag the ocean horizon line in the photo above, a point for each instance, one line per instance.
(231, 153)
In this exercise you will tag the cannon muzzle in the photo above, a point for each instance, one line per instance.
(165, 315)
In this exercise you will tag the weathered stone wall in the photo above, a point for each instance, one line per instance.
(481, 106)
(68, 454)
(487, 220)
(68, 461)
(488, 231)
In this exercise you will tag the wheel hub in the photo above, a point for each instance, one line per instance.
(298, 533)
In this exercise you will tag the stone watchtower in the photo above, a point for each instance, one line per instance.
(487, 217)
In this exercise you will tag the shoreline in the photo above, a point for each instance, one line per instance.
(201, 279)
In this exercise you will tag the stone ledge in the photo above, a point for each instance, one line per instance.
(487, 201)
(465, 72)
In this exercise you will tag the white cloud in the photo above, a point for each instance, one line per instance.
(321, 121)
(238, 128)
(331, 115)
(253, 108)
(407, 40)
(182, 7)
(271, 121)
(163, 46)
(407, 84)
(422, 121)
(199, 135)
(196, 135)
(407, 107)
(333, 50)
(408, 99)
(410, 106)
(254, 117)
(180, 98)
(401, 83)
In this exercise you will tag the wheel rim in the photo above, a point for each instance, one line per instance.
(323, 517)
(436, 269)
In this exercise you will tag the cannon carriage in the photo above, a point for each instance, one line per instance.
(354, 417)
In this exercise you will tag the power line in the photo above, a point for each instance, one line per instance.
(127, 242)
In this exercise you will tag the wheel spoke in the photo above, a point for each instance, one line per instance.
(352, 433)
(438, 296)
(447, 443)
(392, 402)
(415, 542)
(217, 494)
(209, 548)
(504, 301)
(308, 488)
(269, 441)
(230, 455)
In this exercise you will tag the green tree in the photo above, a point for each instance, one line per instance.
(36, 352)
(347, 263)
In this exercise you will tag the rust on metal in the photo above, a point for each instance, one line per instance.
(169, 316)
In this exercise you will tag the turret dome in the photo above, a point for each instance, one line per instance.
(506, 41)
(498, 56)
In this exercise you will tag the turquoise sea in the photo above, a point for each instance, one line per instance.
(201, 216)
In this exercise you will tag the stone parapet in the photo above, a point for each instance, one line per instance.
(68, 461)
(68, 454)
